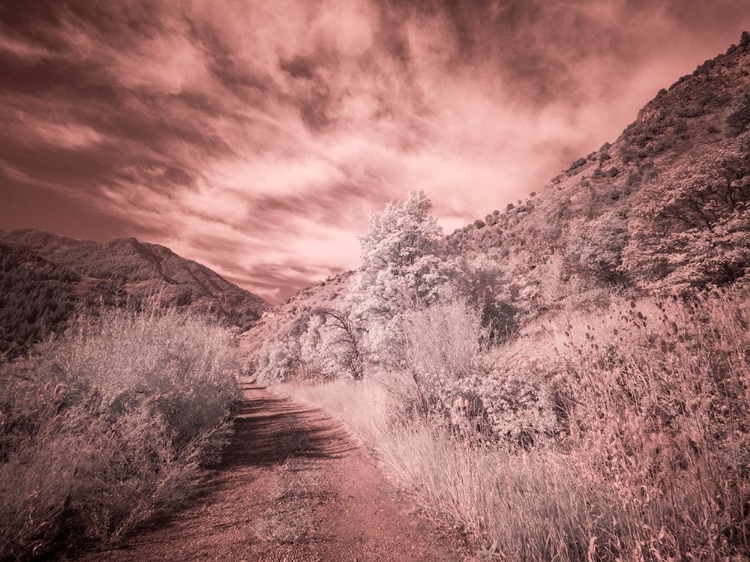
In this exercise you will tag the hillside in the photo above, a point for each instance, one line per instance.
(283, 318)
(567, 379)
(47, 278)
(661, 209)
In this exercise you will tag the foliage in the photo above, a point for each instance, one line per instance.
(36, 298)
(486, 287)
(106, 425)
(597, 251)
(459, 383)
(330, 347)
(696, 232)
(279, 360)
(443, 346)
(739, 119)
(400, 267)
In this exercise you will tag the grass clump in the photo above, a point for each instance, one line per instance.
(106, 425)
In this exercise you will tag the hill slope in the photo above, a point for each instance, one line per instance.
(662, 208)
(46, 278)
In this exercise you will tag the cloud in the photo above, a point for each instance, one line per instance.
(257, 137)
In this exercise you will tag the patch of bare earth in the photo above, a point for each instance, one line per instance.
(292, 487)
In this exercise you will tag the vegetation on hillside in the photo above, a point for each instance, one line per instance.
(35, 298)
(614, 435)
(617, 434)
(105, 426)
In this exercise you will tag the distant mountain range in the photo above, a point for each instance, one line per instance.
(45, 279)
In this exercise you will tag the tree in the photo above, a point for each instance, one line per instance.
(330, 346)
(594, 248)
(694, 229)
(400, 268)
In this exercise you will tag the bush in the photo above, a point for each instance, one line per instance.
(106, 425)
(443, 349)
(279, 360)
(739, 119)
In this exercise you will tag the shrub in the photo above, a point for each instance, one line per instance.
(443, 351)
(279, 360)
(106, 425)
(739, 119)
(443, 343)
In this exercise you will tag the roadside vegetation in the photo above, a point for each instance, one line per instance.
(604, 436)
(616, 429)
(106, 426)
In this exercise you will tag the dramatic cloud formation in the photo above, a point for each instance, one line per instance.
(256, 137)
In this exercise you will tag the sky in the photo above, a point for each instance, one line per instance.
(257, 136)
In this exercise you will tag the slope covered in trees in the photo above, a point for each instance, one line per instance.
(35, 296)
(662, 208)
(47, 278)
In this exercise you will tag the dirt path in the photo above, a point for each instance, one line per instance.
(293, 487)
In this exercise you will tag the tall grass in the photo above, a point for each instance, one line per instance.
(530, 506)
(364, 406)
(106, 425)
(648, 457)
(659, 398)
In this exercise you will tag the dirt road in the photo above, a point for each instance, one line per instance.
(293, 487)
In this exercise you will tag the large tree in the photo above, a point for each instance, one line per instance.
(401, 267)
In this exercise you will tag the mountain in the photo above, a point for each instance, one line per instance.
(47, 278)
(662, 209)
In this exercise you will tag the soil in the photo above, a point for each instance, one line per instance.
(293, 486)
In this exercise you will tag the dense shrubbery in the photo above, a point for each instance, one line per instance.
(618, 435)
(612, 429)
(35, 299)
(104, 426)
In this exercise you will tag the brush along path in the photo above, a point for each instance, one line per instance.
(292, 487)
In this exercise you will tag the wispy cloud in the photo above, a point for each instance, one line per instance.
(257, 137)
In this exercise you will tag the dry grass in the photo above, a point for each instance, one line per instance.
(532, 505)
(649, 457)
(107, 425)
(659, 398)
(363, 405)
